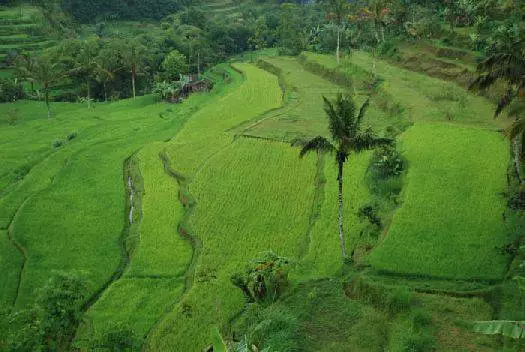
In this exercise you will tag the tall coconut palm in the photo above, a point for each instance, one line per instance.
(44, 70)
(347, 137)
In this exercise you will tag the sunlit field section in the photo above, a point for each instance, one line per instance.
(207, 131)
(303, 114)
(252, 197)
(155, 277)
(67, 227)
(450, 224)
(425, 98)
(323, 253)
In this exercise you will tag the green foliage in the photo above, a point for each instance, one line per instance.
(387, 162)
(266, 278)
(165, 90)
(57, 143)
(50, 324)
(174, 65)
(399, 300)
(512, 329)
(10, 90)
(291, 38)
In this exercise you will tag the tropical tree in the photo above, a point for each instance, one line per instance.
(337, 12)
(81, 58)
(378, 13)
(506, 63)
(174, 65)
(347, 137)
(44, 70)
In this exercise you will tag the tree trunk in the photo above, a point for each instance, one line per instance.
(341, 236)
(133, 78)
(89, 95)
(198, 65)
(374, 73)
(46, 99)
(518, 144)
(338, 44)
(105, 92)
(383, 33)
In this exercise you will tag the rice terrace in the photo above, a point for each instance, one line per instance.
(262, 175)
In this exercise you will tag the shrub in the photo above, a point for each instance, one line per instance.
(10, 90)
(421, 342)
(388, 49)
(165, 90)
(13, 116)
(399, 300)
(264, 279)
(420, 319)
(21, 172)
(387, 162)
(58, 143)
(370, 213)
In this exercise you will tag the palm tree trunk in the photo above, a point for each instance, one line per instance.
(133, 78)
(46, 99)
(89, 95)
(338, 44)
(518, 144)
(341, 237)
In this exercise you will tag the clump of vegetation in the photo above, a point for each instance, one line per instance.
(10, 90)
(399, 300)
(13, 116)
(265, 279)
(50, 323)
(57, 143)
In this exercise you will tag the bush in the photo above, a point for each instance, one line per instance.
(13, 116)
(10, 90)
(388, 49)
(399, 300)
(422, 342)
(387, 162)
(420, 319)
(58, 143)
(165, 90)
(71, 136)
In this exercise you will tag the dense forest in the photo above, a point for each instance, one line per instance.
(262, 175)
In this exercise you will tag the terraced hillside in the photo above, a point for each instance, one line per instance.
(177, 198)
(19, 31)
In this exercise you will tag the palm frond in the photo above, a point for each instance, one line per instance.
(505, 100)
(366, 141)
(362, 111)
(516, 129)
(319, 144)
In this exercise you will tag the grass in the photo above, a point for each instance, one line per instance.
(450, 223)
(303, 116)
(323, 257)
(426, 99)
(82, 224)
(208, 130)
(155, 276)
(250, 199)
(10, 262)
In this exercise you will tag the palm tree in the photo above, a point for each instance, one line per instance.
(45, 71)
(347, 137)
(507, 64)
